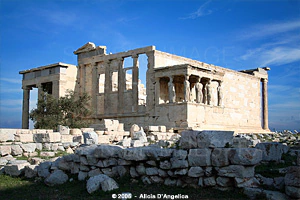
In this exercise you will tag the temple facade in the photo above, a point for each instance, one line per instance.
(179, 93)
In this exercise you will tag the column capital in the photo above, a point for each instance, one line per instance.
(135, 56)
(264, 80)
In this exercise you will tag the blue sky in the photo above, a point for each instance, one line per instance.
(234, 34)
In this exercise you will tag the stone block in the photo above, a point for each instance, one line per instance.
(44, 169)
(7, 135)
(199, 157)
(47, 154)
(293, 192)
(90, 138)
(207, 139)
(239, 171)
(75, 131)
(107, 151)
(5, 150)
(16, 168)
(292, 176)
(196, 172)
(162, 129)
(30, 171)
(30, 147)
(16, 150)
(103, 139)
(188, 140)
(245, 156)
(67, 138)
(63, 130)
(178, 164)
(47, 137)
(220, 157)
(137, 154)
(58, 177)
(272, 151)
(24, 137)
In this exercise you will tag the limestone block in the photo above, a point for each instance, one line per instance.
(63, 130)
(239, 171)
(136, 154)
(67, 138)
(82, 175)
(7, 135)
(152, 128)
(16, 150)
(181, 172)
(196, 172)
(86, 130)
(292, 177)
(47, 137)
(47, 154)
(90, 138)
(54, 146)
(16, 167)
(156, 153)
(207, 139)
(199, 157)
(162, 173)
(179, 154)
(274, 195)
(246, 182)
(188, 140)
(133, 172)
(24, 137)
(177, 164)
(151, 171)
(170, 182)
(126, 142)
(293, 192)
(30, 171)
(209, 181)
(224, 182)
(136, 143)
(5, 150)
(156, 179)
(94, 172)
(57, 177)
(220, 157)
(107, 151)
(30, 147)
(141, 170)
(43, 169)
(165, 164)
(109, 184)
(120, 127)
(75, 131)
(245, 156)
(162, 129)
(272, 151)
(110, 162)
(3, 161)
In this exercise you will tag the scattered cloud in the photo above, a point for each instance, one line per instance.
(274, 56)
(271, 29)
(11, 80)
(202, 11)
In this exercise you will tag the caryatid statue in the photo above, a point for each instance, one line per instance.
(171, 90)
(187, 89)
(208, 92)
(199, 94)
(220, 94)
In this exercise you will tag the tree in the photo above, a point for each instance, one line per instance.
(70, 110)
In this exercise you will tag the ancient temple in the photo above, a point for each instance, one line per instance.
(179, 93)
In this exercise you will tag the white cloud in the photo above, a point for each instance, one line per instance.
(11, 80)
(271, 29)
(202, 11)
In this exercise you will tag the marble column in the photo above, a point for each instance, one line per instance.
(40, 91)
(265, 103)
(157, 91)
(95, 87)
(25, 109)
(135, 83)
(121, 85)
(171, 89)
(187, 89)
(107, 86)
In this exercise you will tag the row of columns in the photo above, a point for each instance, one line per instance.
(200, 96)
(121, 84)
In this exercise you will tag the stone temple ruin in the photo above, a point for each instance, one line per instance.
(179, 93)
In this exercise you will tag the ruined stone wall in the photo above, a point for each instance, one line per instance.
(241, 104)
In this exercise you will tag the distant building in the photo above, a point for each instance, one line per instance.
(180, 93)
